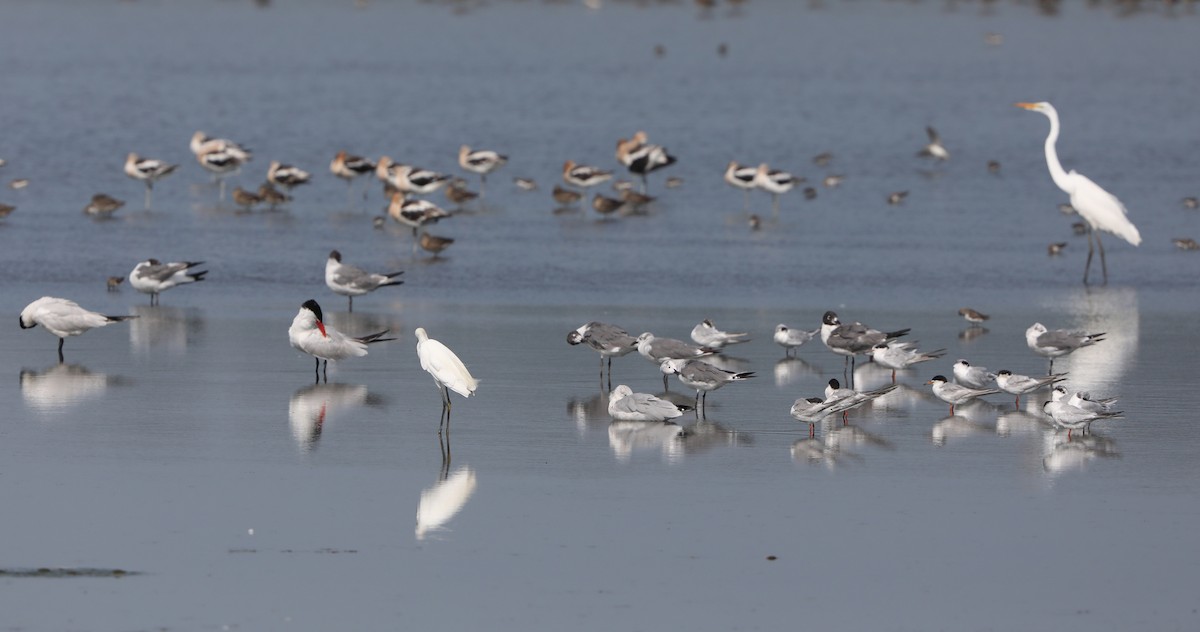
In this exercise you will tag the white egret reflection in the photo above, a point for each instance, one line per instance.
(443, 500)
(63, 386)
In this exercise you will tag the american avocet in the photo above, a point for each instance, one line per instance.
(416, 180)
(434, 244)
(743, 178)
(147, 170)
(956, 394)
(309, 334)
(481, 161)
(583, 176)
(64, 318)
(447, 370)
(287, 176)
(351, 281)
(775, 182)
(103, 205)
(1057, 342)
(641, 157)
(152, 276)
(414, 213)
(202, 144)
(934, 149)
(219, 163)
(348, 167)
(1102, 210)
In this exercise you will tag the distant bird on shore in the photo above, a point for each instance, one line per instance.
(565, 197)
(349, 167)
(287, 176)
(584, 176)
(1056, 248)
(934, 149)
(6, 210)
(526, 184)
(271, 196)
(775, 182)
(103, 205)
(245, 199)
(972, 316)
(482, 162)
(896, 197)
(641, 157)
(1185, 243)
(742, 177)
(148, 170)
(434, 244)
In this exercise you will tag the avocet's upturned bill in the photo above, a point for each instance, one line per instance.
(956, 394)
(1053, 343)
(626, 405)
(309, 334)
(153, 277)
(448, 372)
(64, 318)
(350, 281)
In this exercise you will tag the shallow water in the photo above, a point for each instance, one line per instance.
(190, 449)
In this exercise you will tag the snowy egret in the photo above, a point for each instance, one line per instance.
(447, 370)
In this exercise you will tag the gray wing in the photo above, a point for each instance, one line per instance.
(610, 336)
(355, 277)
(1058, 339)
(162, 271)
(671, 348)
(652, 405)
(705, 372)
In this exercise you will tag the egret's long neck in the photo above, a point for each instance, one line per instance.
(1056, 170)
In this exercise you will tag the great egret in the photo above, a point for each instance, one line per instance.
(447, 371)
(1101, 209)
(64, 318)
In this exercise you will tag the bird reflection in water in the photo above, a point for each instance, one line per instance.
(707, 434)
(1021, 423)
(164, 329)
(625, 437)
(957, 427)
(971, 333)
(63, 386)
(444, 499)
(312, 405)
(1062, 454)
(835, 443)
(790, 370)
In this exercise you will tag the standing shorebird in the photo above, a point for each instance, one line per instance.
(448, 372)
(1057, 342)
(64, 318)
(934, 149)
(287, 176)
(775, 182)
(481, 161)
(348, 167)
(310, 334)
(642, 158)
(148, 170)
(743, 178)
(1100, 209)
(351, 281)
(583, 176)
(153, 277)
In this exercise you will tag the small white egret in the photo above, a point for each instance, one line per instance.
(447, 370)
(1101, 209)
(64, 318)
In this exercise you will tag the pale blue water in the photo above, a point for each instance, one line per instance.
(164, 441)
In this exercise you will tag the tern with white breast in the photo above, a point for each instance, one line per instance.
(852, 339)
(706, 334)
(1015, 384)
(310, 334)
(896, 355)
(956, 394)
(351, 281)
(972, 376)
(1054, 343)
(789, 337)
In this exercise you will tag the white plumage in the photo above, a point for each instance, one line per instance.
(626, 405)
(64, 318)
(309, 334)
(446, 369)
(151, 276)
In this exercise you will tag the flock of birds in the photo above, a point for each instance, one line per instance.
(687, 361)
